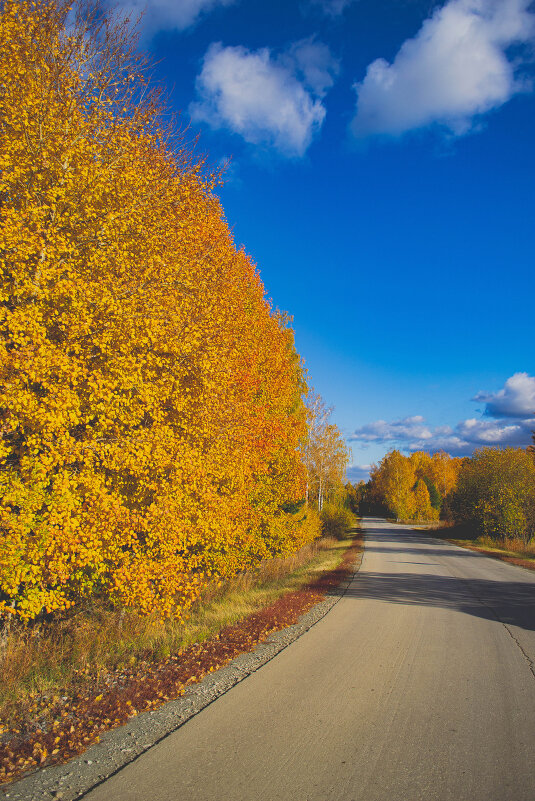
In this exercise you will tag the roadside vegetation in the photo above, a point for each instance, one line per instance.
(67, 677)
(165, 469)
(82, 651)
(85, 651)
(485, 502)
(336, 519)
(66, 686)
(157, 431)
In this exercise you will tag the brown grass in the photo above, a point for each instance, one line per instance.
(81, 648)
(65, 683)
(513, 550)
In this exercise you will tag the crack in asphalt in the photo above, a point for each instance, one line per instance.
(497, 617)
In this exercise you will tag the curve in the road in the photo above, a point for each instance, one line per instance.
(419, 684)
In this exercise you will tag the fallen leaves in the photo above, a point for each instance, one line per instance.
(78, 721)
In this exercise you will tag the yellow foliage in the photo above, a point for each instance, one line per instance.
(325, 454)
(496, 493)
(414, 487)
(151, 401)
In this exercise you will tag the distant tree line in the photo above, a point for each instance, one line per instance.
(415, 487)
(493, 491)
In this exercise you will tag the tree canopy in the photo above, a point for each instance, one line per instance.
(152, 401)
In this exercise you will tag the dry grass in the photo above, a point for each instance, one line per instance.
(83, 650)
(432, 525)
(513, 550)
(510, 546)
(52, 728)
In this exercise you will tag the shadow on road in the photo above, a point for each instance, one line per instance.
(430, 551)
(511, 602)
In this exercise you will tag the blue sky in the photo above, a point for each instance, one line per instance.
(382, 177)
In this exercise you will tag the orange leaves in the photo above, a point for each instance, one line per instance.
(152, 402)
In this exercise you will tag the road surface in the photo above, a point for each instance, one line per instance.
(419, 684)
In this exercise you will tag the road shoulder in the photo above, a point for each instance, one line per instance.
(119, 747)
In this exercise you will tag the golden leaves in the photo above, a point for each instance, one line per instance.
(151, 400)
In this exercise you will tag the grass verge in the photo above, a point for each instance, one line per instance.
(65, 684)
(512, 550)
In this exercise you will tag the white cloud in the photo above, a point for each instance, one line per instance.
(266, 99)
(381, 431)
(165, 14)
(314, 63)
(456, 68)
(472, 433)
(462, 439)
(516, 399)
(358, 472)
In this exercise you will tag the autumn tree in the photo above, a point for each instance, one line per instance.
(394, 480)
(444, 472)
(326, 454)
(421, 463)
(408, 485)
(496, 493)
(152, 402)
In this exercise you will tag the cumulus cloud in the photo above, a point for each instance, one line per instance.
(457, 67)
(515, 401)
(165, 14)
(264, 98)
(314, 64)
(461, 439)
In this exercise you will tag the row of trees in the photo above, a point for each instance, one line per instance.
(493, 491)
(412, 487)
(152, 403)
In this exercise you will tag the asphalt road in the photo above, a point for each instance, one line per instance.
(419, 684)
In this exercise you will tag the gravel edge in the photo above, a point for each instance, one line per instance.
(119, 747)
